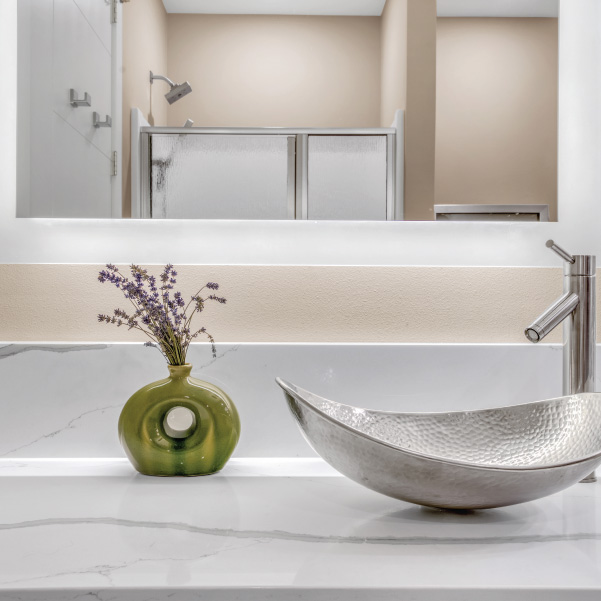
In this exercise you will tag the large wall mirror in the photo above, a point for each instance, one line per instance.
(368, 110)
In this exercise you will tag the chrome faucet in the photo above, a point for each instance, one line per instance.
(577, 310)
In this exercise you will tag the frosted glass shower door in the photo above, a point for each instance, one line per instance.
(347, 177)
(214, 176)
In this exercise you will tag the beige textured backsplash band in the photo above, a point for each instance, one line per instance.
(295, 303)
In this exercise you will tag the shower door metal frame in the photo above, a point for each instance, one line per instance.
(298, 160)
(117, 110)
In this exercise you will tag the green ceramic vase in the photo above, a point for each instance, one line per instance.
(179, 426)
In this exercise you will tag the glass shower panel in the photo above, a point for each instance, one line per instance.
(205, 176)
(347, 178)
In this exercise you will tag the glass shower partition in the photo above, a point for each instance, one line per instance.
(346, 178)
(267, 173)
(221, 177)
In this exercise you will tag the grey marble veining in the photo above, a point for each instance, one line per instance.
(63, 400)
(10, 350)
(269, 535)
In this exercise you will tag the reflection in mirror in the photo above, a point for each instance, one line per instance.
(496, 108)
(65, 70)
(213, 109)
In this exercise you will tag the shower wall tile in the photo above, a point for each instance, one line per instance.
(68, 46)
(98, 15)
(82, 62)
(85, 191)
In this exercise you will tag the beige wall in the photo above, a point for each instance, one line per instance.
(408, 63)
(496, 111)
(421, 110)
(144, 50)
(393, 60)
(296, 304)
(271, 70)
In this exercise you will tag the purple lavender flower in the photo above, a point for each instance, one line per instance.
(164, 320)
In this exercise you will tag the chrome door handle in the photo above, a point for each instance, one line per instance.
(98, 123)
(75, 102)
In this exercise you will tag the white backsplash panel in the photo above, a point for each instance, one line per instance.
(64, 400)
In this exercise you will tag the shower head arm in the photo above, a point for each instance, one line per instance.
(153, 77)
(177, 90)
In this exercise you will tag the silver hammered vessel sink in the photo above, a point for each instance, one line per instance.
(461, 459)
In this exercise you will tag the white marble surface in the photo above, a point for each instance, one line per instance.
(278, 529)
(64, 400)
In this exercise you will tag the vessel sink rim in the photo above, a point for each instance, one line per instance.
(296, 392)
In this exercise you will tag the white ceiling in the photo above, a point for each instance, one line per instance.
(498, 8)
(365, 8)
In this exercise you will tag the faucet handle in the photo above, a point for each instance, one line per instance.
(566, 256)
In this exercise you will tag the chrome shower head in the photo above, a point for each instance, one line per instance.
(177, 91)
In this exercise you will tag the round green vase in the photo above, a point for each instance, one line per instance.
(205, 449)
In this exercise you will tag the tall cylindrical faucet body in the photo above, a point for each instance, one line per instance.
(577, 309)
(579, 328)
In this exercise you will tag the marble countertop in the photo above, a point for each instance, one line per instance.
(275, 529)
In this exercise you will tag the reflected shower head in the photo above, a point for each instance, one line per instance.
(177, 91)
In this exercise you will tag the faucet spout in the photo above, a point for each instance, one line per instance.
(552, 317)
